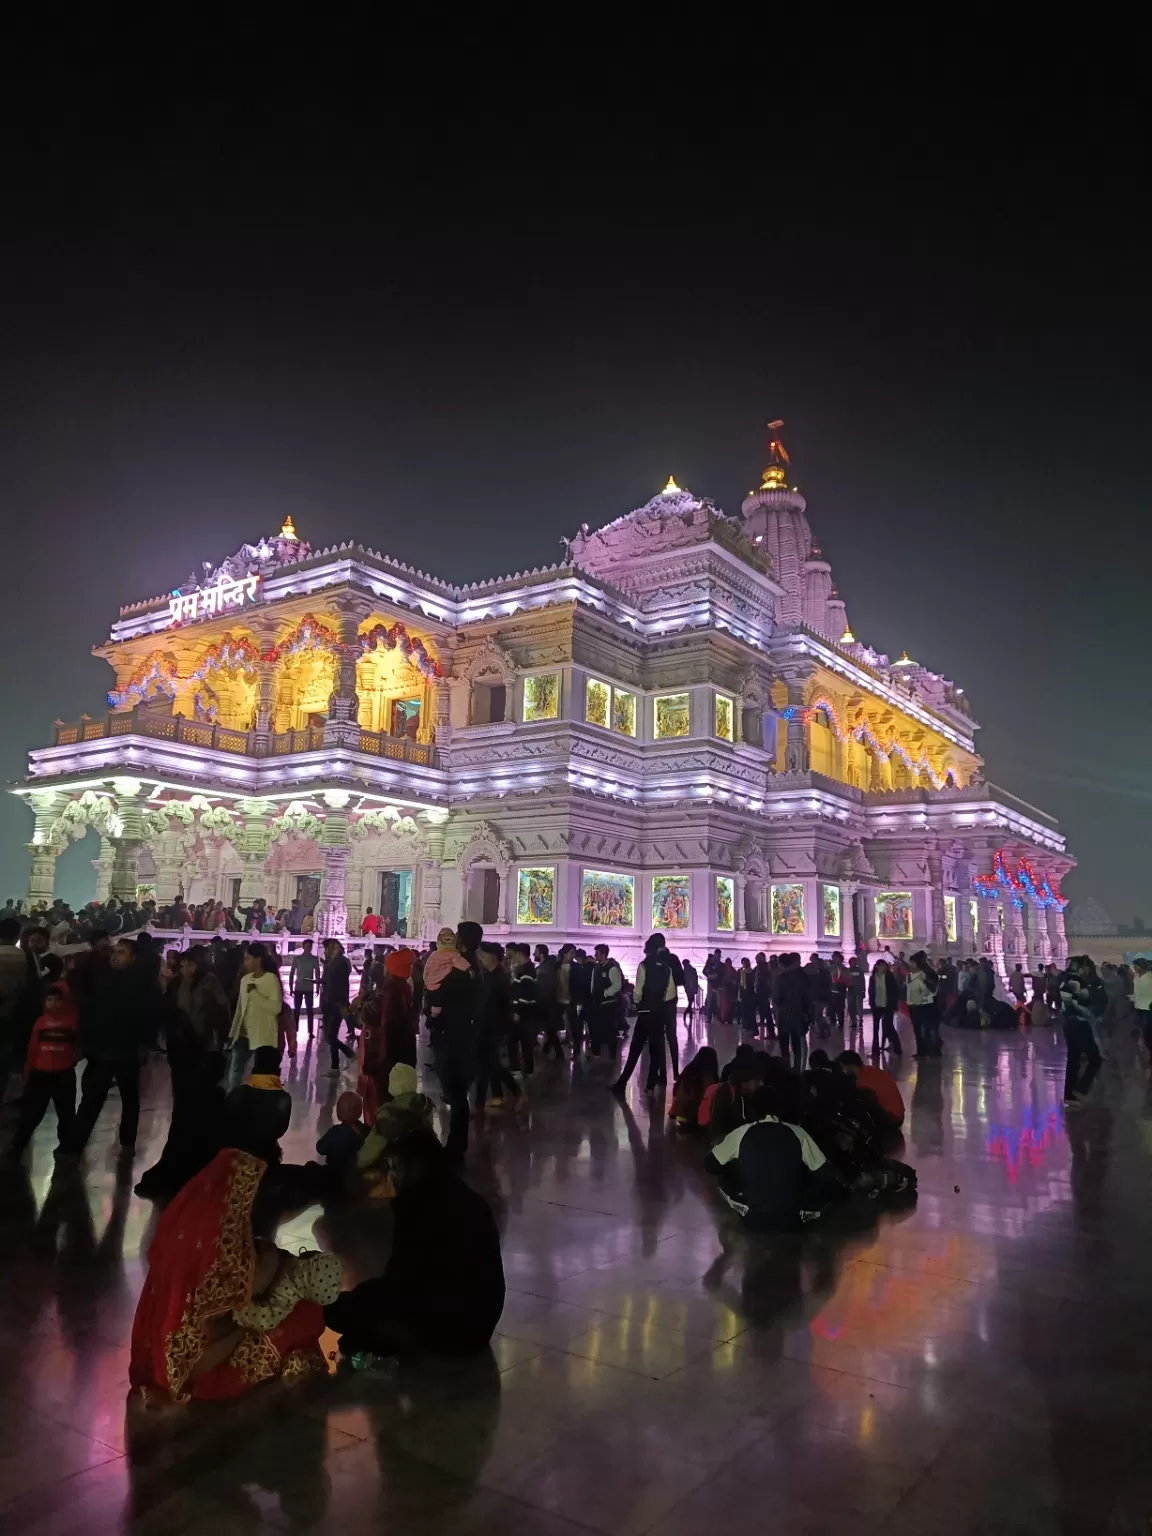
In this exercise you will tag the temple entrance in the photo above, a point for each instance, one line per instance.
(395, 906)
(482, 896)
(307, 893)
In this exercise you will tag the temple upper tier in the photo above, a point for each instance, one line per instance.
(674, 727)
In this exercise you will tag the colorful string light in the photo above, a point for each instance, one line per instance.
(155, 674)
(1002, 881)
(414, 651)
(863, 732)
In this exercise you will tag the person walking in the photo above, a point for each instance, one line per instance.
(607, 995)
(1081, 1000)
(256, 1022)
(116, 1028)
(857, 988)
(1142, 1000)
(922, 984)
(793, 1007)
(882, 999)
(335, 995)
(762, 985)
(51, 1069)
(656, 998)
(453, 1004)
(302, 977)
(838, 990)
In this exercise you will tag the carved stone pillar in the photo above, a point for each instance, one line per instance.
(252, 846)
(441, 712)
(354, 894)
(1015, 944)
(342, 728)
(740, 915)
(938, 923)
(431, 871)
(103, 868)
(331, 909)
(168, 852)
(42, 870)
(1056, 936)
(798, 752)
(126, 847)
(1036, 929)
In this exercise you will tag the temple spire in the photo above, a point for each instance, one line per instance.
(776, 474)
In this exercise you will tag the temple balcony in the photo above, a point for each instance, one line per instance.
(974, 808)
(142, 740)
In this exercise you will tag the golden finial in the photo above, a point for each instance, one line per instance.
(847, 638)
(776, 475)
(289, 530)
(671, 489)
(905, 660)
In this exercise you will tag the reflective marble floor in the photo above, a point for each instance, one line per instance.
(977, 1363)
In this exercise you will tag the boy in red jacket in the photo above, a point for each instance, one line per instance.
(51, 1069)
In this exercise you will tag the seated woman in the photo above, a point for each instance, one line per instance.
(203, 1267)
(701, 1073)
(443, 1289)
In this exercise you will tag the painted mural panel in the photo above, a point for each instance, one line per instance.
(894, 915)
(830, 900)
(724, 717)
(671, 901)
(950, 930)
(597, 700)
(542, 696)
(787, 909)
(607, 900)
(671, 715)
(974, 916)
(624, 712)
(725, 904)
(536, 895)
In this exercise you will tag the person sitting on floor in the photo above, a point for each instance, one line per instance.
(701, 1073)
(203, 1268)
(876, 1081)
(723, 1106)
(443, 1288)
(340, 1144)
(772, 1173)
(404, 1110)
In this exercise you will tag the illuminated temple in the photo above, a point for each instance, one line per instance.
(674, 728)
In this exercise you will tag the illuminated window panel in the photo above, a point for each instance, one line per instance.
(542, 696)
(725, 711)
(536, 895)
(671, 902)
(671, 715)
(950, 929)
(597, 702)
(725, 904)
(787, 909)
(624, 712)
(607, 900)
(894, 914)
(830, 900)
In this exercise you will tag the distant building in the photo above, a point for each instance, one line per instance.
(674, 728)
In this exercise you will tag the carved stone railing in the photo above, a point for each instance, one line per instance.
(222, 738)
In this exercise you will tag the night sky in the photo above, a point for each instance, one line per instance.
(458, 363)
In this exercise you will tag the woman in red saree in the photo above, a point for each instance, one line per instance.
(202, 1267)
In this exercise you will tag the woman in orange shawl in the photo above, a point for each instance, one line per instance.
(203, 1266)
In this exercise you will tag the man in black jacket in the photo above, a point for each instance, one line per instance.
(335, 985)
(453, 1032)
(117, 1025)
(793, 1005)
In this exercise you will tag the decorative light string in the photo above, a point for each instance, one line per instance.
(863, 732)
(414, 651)
(1024, 882)
(155, 674)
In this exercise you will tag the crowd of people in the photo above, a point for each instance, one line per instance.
(790, 1129)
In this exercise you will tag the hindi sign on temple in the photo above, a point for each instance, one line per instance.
(205, 601)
